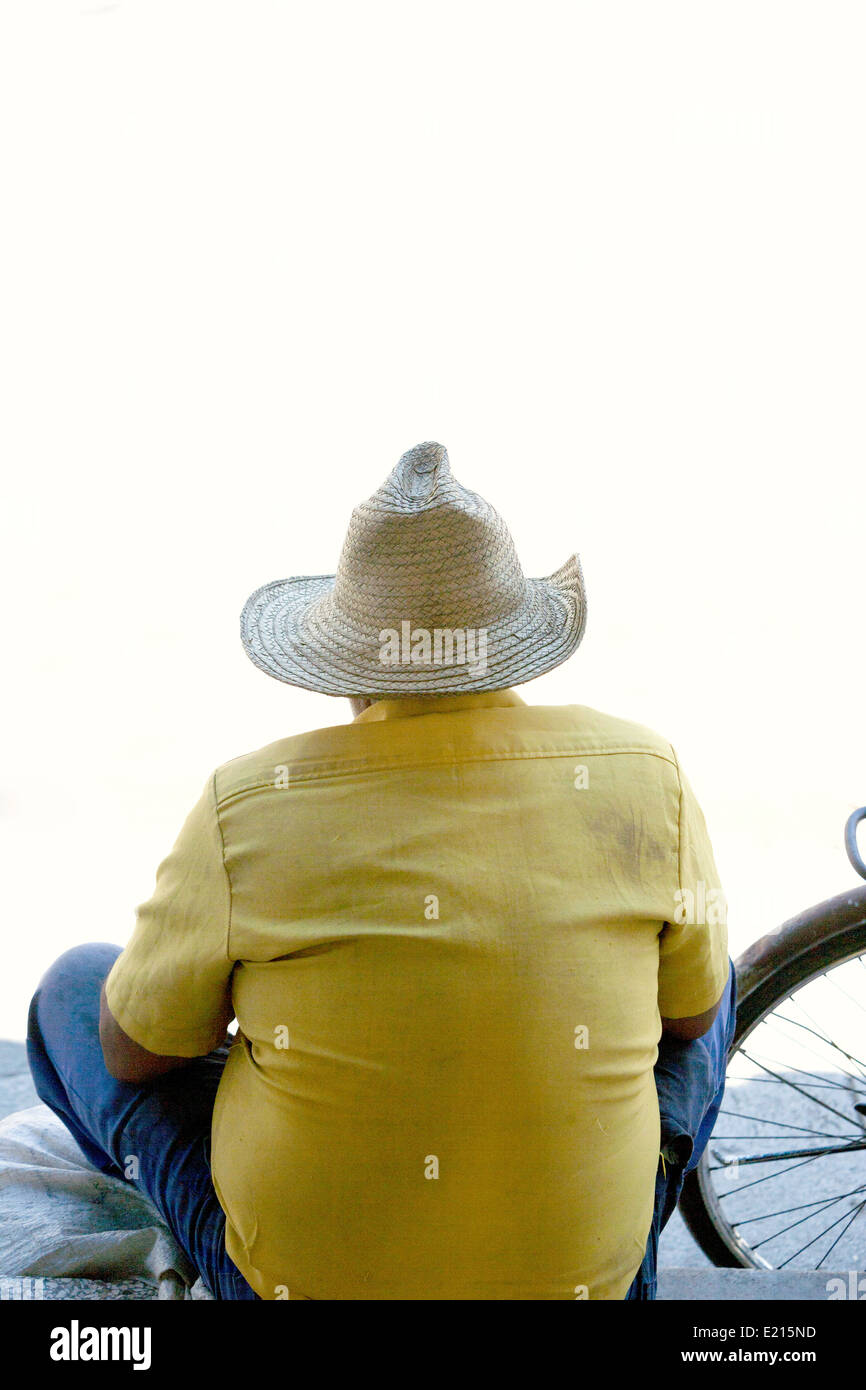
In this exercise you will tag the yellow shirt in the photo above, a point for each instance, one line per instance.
(448, 930)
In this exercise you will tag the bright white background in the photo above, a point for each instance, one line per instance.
(611, 255)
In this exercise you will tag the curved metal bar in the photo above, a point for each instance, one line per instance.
(851, 849)
(779, 948)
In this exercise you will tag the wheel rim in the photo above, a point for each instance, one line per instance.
(783, 1177)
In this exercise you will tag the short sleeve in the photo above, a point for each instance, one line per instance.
(170, 988)
(693, 945)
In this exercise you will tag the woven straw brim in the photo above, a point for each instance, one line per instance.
(292, 630)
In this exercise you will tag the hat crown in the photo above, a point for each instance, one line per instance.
(421, 478)
(426, 549)
(421, 471)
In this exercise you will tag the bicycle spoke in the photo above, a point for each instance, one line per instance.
(798, 1004)
(822, 1038)
(795, 1087)
(837, 986)
(801, 1206)
(839, 1085)
(831, 1202)
(770, 1081)
(825, 1232)
(768, 1177)
(750, 1159)
(854, 1216)
(735, 1115)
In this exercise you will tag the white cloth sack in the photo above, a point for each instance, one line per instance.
(61, 1218)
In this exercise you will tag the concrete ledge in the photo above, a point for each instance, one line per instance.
(675, 1285)
(748, 1285)
(35, 1288)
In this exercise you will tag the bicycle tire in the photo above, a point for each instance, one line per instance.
(801, 949)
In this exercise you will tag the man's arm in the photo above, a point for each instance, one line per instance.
(173, 980)
(693, 946)
(687, 1029)
(127, 1060)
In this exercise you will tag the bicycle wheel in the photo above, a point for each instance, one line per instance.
(782, 1181)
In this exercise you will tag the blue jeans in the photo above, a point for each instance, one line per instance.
(166, 1123)
(690, 1082)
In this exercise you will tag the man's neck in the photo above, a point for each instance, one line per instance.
(359, 703)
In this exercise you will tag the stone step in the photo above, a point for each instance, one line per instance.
(137, 1290)
(747, 1285)
(678, 1285)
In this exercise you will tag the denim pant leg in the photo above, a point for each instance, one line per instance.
(164, 1124)
(690, 1082)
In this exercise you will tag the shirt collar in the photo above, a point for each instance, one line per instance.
(407, 705)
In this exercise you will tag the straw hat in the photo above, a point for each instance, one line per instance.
(428, 598)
